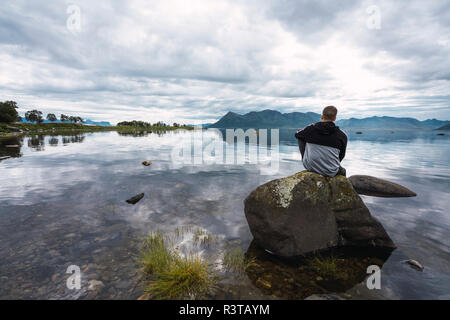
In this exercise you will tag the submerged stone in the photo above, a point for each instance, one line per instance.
(372, 186)
(306, 212)
(136, 198)
(415, 264)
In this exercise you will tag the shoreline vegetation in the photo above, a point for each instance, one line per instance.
(12, 124)
(15, 129)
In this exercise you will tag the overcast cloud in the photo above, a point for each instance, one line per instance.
(193, 61)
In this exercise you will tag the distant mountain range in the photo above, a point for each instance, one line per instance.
(201, 125)
(274, 119)
(390, 123)
(446, 127)
(86, 122)
(266, 119)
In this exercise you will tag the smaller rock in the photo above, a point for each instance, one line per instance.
(263, 283)
(358, 132)
(95, 284)
(441, 134)
(415, 264)
(146, 163)
(376, 187)
(135, 199)
(319, 278)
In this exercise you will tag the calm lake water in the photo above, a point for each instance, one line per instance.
(62, 203)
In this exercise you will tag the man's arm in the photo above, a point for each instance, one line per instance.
(343, 148)
(302, 133)
(301, 136)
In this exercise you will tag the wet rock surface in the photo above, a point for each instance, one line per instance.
(307, 212)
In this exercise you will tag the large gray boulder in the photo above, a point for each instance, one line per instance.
(307, 212)
(376, 187)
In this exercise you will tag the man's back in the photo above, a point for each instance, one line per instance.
(323, 147)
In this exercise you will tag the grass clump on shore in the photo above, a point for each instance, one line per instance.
(326, 267)
(234, 260)
(185, 278)
(172, 276)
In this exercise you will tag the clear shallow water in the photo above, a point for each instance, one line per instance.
(62, 202)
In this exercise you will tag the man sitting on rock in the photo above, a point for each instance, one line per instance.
(323, 145)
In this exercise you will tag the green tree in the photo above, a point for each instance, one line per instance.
(8, 112)
(75, 119)
(34, 116)
(64, 118)
(51, 117)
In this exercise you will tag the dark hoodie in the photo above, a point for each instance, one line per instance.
(325, 144)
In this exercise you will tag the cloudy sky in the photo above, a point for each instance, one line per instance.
(193, 61)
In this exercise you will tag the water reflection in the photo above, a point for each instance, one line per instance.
(143, 133)
(53, 141)
(10, 147)
(326, 272)
(136, 133)
(77, 138)
(36, 142)
(66, 205)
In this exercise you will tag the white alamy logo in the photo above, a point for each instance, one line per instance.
(207, 147)
(73, 22)
(74, 281)
(374, 280)
(374, 19)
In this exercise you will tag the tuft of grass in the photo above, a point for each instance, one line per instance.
(203, 237)
(326, 267)
(185, 278)
(172, 276)
(234, 260)
(155, 257)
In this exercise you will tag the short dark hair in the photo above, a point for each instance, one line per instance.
(329, 113)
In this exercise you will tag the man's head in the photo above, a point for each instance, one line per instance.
(329, 114)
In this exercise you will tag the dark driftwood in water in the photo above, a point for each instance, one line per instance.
(135, 199)
(371, 186)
